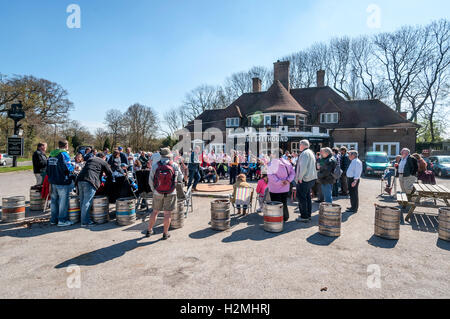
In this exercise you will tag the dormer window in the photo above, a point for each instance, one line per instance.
(232, 122)
(329, 118)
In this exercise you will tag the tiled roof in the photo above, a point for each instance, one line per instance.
(312, 101)
(277, 99)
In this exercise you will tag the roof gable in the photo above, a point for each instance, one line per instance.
(277, 99)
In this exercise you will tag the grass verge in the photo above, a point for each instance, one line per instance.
(15, 169)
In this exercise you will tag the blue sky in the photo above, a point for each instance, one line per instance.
(154, 52)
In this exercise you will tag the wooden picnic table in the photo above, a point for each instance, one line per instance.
(420, 191)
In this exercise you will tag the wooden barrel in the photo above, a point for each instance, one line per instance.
(36, 202)
(220, 214)
(177, 216)
(126, 211)
(387, 222)
(100, 209)
(13, 209)
(74, 209)
(330, 220)
(273, 217)
(444, 223)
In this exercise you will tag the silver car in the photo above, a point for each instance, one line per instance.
(5, 160)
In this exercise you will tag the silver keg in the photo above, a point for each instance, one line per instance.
(74, 209)
(220, 215)
(126, 211)
(273, 217)
(100, 209)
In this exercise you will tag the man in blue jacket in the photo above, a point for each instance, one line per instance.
(59, 171)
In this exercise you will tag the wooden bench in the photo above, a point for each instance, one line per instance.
(402, 199)
(435, 192)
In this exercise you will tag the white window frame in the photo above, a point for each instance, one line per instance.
(329, 118)
(295, 149)
(200, 143)
(348, 145)
(381, 144)
(232, 122)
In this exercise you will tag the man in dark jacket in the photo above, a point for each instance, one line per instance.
(88, 182)
(407, 170)
(60, 177)
(325, 174)
(194, 168)
(40, 162)
(345, 163)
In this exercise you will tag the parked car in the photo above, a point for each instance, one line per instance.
(375, 163)
(5, 160)
(441, 165)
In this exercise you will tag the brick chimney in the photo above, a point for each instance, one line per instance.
(404, 115)
(320, 78)
(257, 84)
(281, 73)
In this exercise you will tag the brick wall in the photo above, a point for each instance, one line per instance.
(406, 137)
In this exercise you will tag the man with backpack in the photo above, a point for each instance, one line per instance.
(163, 178)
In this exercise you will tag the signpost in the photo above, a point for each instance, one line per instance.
(15, 146)
(15, 143)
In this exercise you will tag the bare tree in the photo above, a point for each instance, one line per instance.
(141, 126)
(340, 68)
(241, 82)
(366, 68)
(429, 80)
(172, 122)
(203, 98)
(114, 121)
(402, 54)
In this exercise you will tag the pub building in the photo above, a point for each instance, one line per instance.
(282, 116)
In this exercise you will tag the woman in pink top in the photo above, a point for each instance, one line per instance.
(261, 191)
(281, 174)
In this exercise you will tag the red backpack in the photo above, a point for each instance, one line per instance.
(164, 179)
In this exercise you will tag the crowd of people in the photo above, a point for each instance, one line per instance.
(324, 175)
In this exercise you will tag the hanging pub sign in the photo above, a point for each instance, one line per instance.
(16, 112)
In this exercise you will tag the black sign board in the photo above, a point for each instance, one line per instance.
(15, 146)
(16, 112)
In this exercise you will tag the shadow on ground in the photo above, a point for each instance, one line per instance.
(255, 231)
(424, 223)
(320, 240)
(443, 244)
(382, 243)
(105, 254)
